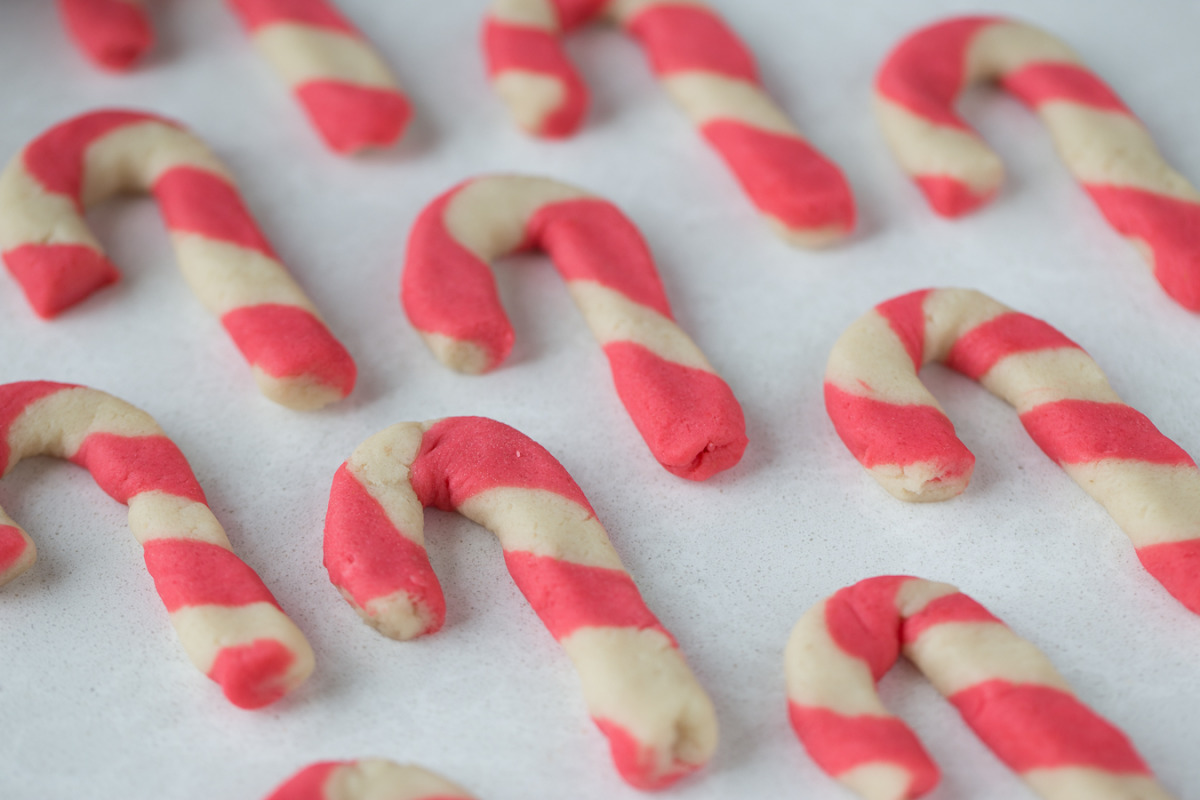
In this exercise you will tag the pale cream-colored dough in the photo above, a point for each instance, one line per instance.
(459, 355)
(868, 360)
(949, 313)
(31, 215)
(923, 148)
(638, 680)
(530, 96)
(1084, 783)
(708, 97)
(57, 424)
(877, 780)
(205, 630)
(538, 14)
(158, 515)
(958, 655)
(299, 393)
(1027, 380)
(625, 10)
(488, 216)
(379, 779)
(301, 53)
(133, 157)
(821, 674)
(1152, 503)
(226, 276)
(613, 317)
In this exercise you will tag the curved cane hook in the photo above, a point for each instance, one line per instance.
(706, 69)
(224, 257)
(227, 621)
(685, 412)
(1105, 146)
(897, 430)
(348, 92)
(114, 34)
(639, 690)
(368, 779)
(1006, 690)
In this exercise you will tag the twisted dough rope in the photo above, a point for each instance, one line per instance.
(897, 430)
(639, 690)
(708, 72)
(346, 89)
(228, 623)
(225, 258)
(685, 412)
(368, 779)
(1107, 149)
(114, 34)
(1006, 690)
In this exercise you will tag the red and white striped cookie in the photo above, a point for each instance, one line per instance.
(224, 257)
(685, 412)
(346, 89)
(368, 779)
(707, 70)
(1006, 690)
(228, 623)
(114, 34)
(639, 690)
(1104, 145)
(897, 430)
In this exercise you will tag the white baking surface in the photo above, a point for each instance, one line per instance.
(97, 698)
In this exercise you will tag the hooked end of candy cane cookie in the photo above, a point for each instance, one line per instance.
(17, 552)
(352, 118)
(55, 277)
(402, 616)
(1176, 565)
(257, 674)
(952, 198)
(114, 34)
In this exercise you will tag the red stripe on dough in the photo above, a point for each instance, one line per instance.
(640, 764)
(446, 289)
(688, 417)
(1170, 227)
(682, 38)
(591, 240)
(253, 675)
(573, 13)
(1176, 565)
(880, 434)
(14, 399)
(863, 621)
(13, 545)
(952, 608)
(195, 201)
(926, 71)
(256, 14)
(839, 743)
(126, 466)
(1045, 83)
(905, 315)
(784, 176)
(979, 349)
(351, 117)
(1083, 431)
(950, 197)
(569, 596)
(114, 34)
(511, 47)
(308, 783)
(368, 558)
(463, 456)
(56, 158)
(290, 342)
(189, 573)
(1036, 727)
(55, 277)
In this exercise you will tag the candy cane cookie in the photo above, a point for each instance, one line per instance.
(114, 34)
(897, 430)
(1104, 145)
(227, 621)
(227, 261)
(684, 411)
(1006, 690)
(639, 690)
(705, 68)
(348, 92)
(368, 779)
